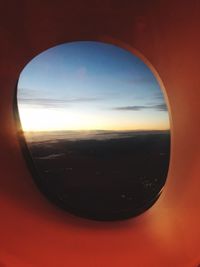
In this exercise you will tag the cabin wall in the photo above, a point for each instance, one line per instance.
(33, 232)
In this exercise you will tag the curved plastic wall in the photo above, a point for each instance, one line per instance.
(34, 232)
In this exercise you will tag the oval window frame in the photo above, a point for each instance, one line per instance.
(30, 162)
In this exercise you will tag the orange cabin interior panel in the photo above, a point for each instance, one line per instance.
(33, 232)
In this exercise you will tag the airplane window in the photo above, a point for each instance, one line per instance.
(95, 129)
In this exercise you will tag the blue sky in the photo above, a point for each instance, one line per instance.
(88, 86)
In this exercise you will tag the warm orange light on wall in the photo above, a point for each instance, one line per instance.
(33, 232)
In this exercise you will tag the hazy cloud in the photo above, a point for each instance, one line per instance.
(158, 107)
(158, 96)
(139, 80)
(157, 99)
(54, 103)
(27, 93)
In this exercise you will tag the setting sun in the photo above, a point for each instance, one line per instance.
(60, 120)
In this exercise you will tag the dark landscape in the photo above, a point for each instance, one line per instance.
(102, 174)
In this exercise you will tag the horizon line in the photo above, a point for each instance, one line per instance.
(92, 130)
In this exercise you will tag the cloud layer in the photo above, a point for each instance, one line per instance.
(158, 107)
(54, 103)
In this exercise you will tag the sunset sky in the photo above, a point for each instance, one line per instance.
(89, 86)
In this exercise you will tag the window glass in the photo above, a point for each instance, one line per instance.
(95, 129)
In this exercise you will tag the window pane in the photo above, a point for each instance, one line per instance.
(96, 128)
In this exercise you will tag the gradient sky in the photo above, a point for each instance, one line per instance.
(89, 86)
